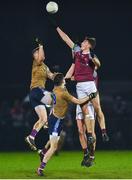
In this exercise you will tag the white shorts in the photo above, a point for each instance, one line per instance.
(79, 113)
(85, 88)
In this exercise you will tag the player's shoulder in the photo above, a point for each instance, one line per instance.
(45, 67)
(63, 90)
(76, 48)
(66, 94)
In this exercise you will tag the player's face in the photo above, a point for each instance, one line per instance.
(85, 45)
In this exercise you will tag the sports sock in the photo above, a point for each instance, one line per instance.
(89, 134)
(85, 151)
(44, 150)
(103, 131)
(92, 157)
(42, 165)
(33, 133)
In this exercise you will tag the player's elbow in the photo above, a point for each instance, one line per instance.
(96, 62)
(99, 65)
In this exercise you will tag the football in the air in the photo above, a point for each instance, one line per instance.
(52, 7)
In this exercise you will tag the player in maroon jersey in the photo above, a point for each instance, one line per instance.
(81, 123)
(85, 63)
(82, 130)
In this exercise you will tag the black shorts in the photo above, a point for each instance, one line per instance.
(35, 96)
(55, 125)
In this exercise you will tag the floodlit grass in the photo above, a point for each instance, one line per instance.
(109, 164)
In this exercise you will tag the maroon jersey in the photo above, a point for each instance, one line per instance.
(84, 67)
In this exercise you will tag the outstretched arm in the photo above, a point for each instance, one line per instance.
(70, 72)
(65, 38)
(84, 100)
(41, 54)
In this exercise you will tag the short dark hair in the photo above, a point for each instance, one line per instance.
(92, 41)
(58, 79)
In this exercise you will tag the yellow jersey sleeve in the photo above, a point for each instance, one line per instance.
(67, 96)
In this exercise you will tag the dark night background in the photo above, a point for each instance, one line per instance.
(21, 21)
(109, 21)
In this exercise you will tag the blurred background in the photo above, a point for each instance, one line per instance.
(109, 21)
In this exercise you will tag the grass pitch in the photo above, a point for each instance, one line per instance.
(109, 165)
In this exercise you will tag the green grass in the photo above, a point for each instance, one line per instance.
(109, 165)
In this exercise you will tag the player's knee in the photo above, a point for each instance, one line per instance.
(54, 147)
(98, 109)
(87, 116)
(42, 120)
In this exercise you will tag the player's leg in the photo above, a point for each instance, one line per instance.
(82, 133)
(85, 111)
(102, 124)
(83, 139)
(60, 142)
(92, 151)
(92, 147)
(53, 147)
(90, 161)
(92, 125)
(42, 114)
(83, 90)
(100, 117)
(43, 151)
(81, 93)
(81, 128)
(38, 98)
(55, 127)
(47, 145)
